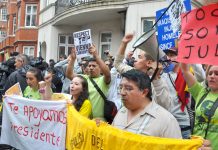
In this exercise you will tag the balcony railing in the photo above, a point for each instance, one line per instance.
(61, 5)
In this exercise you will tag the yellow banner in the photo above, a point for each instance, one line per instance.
(83, 134)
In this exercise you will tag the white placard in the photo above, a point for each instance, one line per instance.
(82, 42)
(177, 8)
(33, 124)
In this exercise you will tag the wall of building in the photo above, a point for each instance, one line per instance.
(113, 26)
(49, 34)
(136, 13)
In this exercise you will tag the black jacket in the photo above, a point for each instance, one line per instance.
(17, 76)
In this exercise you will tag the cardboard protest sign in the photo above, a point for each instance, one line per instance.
(177, 8)
(83, 134)
(199, 39)
(82, 42)
(14, 90)
(33, 124)
(166, 35)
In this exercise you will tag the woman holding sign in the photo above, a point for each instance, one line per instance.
(80, 94)
(206, 112)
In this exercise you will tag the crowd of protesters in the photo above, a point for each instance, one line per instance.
(153, 108)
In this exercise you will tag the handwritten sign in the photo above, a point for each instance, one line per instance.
(177, 8)
(14, 90)
(199, 39)
(31, 124)
(82, 42)
(166, 35)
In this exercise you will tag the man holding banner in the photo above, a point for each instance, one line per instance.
(141, 115)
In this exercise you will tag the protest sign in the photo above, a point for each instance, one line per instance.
(83, 134)
(199, 39)
(14, 90)
(82, 42)
(33, 124)
(177, 8)
(166, 35)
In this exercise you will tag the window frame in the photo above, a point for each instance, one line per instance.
(14, 24)
(66, 45)
(29, 47)
(5, 15)
(31, 15)
(148, 19)
(105, 43)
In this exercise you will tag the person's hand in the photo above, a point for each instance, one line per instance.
(153, 65)
(72, 55)
(130, 54)
(42, 85)
(69, 101)
(206, 145)
(127, 38)
(93, 51)
(97, 121)
(184, 67)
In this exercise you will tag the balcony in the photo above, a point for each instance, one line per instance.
(62, 5)
(81, 12)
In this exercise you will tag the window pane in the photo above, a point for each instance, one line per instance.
(103, 48)
(61, 50)
(62, 39)
(26, 50)
(106, 37)
(147, 25)
(70, 40)
(28, 11)
(34, 10)
(33, 21)
(31, 53)
(28, 20)
(4, 14)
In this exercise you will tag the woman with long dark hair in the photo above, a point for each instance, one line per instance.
(80, 94)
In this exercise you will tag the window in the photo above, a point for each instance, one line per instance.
(18, 17)
(105, 43)
(29, 50)
(65, 43)
(147, 24)
(3, 34)
(31, 12)
(3, 14)
(14, 24)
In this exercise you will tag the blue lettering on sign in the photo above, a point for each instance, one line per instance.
(166, 37)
